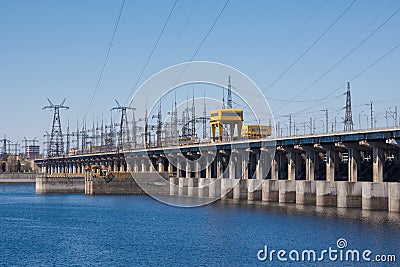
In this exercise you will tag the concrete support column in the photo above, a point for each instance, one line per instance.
(238, 166)
(377, 165)
(188, 169)
(332, 164)
(209, 167)
(260, 168)
(151, 169)
(170, 168)
(135, 166)
(220, 169)
(354, 163)
(179, 169)
(292, 160)
(197, 173)
(310, 165)
(143, 169)
(74, 168)
(160, 166)
(274, 170)
(245, 170)
(232, 169)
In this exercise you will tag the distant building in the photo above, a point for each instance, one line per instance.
(32, 152)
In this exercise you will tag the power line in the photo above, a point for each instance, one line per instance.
(298, 101)
(183, 28)
(209, 31)
(203, 41)
(310, 47)
(106, 58)
(152, 51)
(356, 76)
(344, 58)
(287, 41)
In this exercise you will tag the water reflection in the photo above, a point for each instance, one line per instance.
(367, 216)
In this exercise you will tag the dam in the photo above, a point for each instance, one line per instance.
(357, 169)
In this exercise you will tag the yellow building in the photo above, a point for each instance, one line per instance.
(221, 118)
(255, 131)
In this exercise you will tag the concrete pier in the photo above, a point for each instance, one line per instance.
(240, 191)
(227, 187)
(193, 184)
(326, 193)
(183, 186)
(394, 197)
(287, 191)
(204, 187)
(254, 189)
(270, 191)
(349, 194)
(173, 187)
(305, 192)
(374, 196)
(215, 188)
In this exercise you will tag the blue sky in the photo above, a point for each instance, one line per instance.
(56, 49)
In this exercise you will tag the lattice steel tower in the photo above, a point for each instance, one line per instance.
(123, 135)
(56, 146)
(348, 119)
(229, 102)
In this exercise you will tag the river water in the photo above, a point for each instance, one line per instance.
(69, 230)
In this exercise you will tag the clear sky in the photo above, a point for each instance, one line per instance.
(56, 49)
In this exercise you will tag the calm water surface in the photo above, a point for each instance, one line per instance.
(139, 231)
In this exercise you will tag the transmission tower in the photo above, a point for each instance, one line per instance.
(56, 146)
(134, 128)
(229, 101)
(68, 135)
(204, 119)
(193, 117)
(348, 119)
(174, 120)
(159, 125)
(123, 126)
(46, 143)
